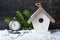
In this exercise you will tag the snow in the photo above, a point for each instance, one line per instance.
(29, 35)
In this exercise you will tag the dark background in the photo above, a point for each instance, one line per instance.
(9, 7)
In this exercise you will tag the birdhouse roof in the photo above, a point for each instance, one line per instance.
(35, 14)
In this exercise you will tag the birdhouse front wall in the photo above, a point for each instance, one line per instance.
(41, 23)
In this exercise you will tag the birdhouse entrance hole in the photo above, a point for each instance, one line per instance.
(41, 20)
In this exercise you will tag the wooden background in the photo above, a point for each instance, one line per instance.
(9, 7)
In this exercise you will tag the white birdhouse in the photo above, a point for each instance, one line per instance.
(41, 20)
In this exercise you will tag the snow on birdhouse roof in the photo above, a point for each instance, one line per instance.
(40, 9)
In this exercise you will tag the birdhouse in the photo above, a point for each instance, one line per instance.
(41, 20)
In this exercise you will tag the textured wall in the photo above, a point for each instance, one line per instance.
(8, 8)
